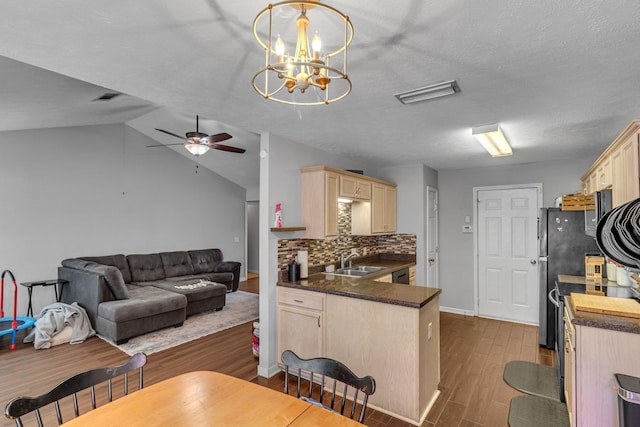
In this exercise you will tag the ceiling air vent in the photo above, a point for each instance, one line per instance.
(426, 93)
(108, 96)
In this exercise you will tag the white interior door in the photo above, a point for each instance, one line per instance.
(432, 238)
(507, 254)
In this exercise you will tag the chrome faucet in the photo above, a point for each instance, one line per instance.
(344, 259)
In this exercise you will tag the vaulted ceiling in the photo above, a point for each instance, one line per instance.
(561, 77)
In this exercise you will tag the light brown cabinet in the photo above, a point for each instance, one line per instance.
(627, 188)
(373, 209)
(412, 275)
(355, 188)
(569, 366)
(320, 190)
(386, 278)
(617, 168)
(595, 355)
(301, 322)
(377, 217)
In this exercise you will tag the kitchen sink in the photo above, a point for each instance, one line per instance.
(357, 271)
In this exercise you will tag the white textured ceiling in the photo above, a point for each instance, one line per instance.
(561, 77)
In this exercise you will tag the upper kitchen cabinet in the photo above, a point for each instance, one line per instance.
(355, 187)
(617, 168)
(378, 216)
(320, 189)
(373, 210)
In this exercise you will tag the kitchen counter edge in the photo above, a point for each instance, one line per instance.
(602, 321)
(367, 289)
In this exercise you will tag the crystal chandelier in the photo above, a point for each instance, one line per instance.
(306, 76)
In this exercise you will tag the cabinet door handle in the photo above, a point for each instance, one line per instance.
(318, 321)
(299, 301)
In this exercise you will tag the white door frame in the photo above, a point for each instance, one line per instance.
(426, 232)
(476, 284)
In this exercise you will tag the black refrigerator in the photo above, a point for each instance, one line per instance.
(563, 245)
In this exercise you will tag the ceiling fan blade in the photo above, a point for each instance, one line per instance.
(162, 145)
(219, 137)
(228, 148)
(170, 133)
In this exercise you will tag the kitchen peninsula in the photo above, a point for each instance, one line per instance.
(386, 330)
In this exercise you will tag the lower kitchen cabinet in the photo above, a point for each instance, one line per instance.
(301, 323)
(388, 278)
(569, 367)
(599, 354)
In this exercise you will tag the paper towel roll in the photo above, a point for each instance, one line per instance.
(303, 260)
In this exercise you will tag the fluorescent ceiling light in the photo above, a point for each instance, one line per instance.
(437, 90)
(492, 139)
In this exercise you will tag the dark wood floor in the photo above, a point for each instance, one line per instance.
(473, 354)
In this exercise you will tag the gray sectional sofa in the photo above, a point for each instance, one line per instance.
(126, 296)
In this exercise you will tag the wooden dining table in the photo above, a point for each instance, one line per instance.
(206, 398)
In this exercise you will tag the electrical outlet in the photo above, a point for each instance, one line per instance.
(429, 331)
(236, 240)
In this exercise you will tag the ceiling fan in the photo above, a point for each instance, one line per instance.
(198, 143)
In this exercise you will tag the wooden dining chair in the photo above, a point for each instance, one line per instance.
(21, 406)
(341, 381)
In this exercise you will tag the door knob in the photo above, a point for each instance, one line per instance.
(533, 262)
(432, 260)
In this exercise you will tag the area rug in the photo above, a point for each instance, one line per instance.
(240, 307)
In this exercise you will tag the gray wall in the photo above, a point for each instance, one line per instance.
(253, 237)
(412, 182)
(456, 201)
(97, 190)
(281, 182)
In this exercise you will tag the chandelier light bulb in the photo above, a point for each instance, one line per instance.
(279, 46)
(316, 45)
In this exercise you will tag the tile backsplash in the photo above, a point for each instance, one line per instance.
(328, 251)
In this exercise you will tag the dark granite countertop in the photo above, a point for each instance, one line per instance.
(367, 288)
(602, 321)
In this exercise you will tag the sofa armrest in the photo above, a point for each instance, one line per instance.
(85, 288)
(230, 267)
(111, 274)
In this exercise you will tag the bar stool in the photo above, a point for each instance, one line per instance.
(541, 405)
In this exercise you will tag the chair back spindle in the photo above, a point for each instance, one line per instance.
(326, 369)
(21, 406)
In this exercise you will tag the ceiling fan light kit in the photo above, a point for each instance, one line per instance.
(196, 148)
(198, 143)
(493, 140)
(306, 76)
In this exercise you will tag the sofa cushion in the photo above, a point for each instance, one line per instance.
(118, 261)
(145, 267)
(144, 302)
(205, 260)
(112, 275)
(211, 277)
(176, 263)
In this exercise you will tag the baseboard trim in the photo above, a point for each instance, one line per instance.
(457, 311)
(268, 372)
